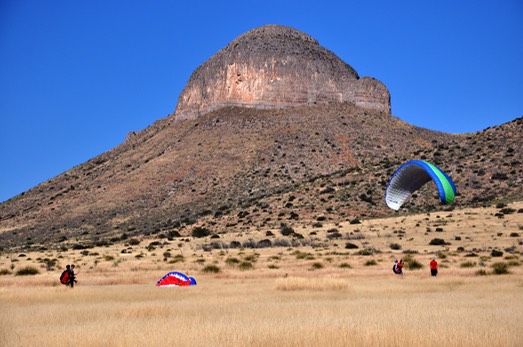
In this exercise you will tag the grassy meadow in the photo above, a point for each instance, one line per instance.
(334, 287)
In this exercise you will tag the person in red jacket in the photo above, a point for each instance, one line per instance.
(433, 267)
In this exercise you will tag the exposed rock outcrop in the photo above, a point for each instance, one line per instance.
(274, 67)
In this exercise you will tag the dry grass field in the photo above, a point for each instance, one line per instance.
(316, 291)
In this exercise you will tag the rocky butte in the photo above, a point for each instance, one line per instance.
(274, 67)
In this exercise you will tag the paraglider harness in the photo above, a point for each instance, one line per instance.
(67, 277)
(397, 268)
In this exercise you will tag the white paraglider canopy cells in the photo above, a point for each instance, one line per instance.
(405, 182)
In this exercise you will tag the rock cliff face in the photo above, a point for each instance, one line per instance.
(275, 67)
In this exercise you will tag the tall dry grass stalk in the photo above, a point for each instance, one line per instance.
(480, 311)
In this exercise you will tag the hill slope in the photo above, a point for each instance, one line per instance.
(250, 159)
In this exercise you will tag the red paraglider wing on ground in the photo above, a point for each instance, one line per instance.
(175, 279)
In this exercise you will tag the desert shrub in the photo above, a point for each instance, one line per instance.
(513, 263)
(514, 234)
(50, 264)
(211, 269)
(370, 263)
(245, 265)
(232, 261)
(286, 230)
(251, 257)
(317, 266)
(200, 232)
(412, 264)
(467, 264)
(410, 251)
(496, 253)
(350, 245)
(304, 255)
(345, 266)
(507, 210)
(335, 235)
(235, 244)
(281, 243)
(250, 243)
(437, 242)
(264, 243)
(134, 242)
(4, 272)
(395, 246)
(500, 268)
(368, 251)
(108, 258)
(177, 259)
(218, 245)
(27, 271)
(272, 266)
(481, 272)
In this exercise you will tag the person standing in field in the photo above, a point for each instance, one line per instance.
(72, 276)
(433, 267)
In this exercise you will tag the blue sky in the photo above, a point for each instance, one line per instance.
(77, 76)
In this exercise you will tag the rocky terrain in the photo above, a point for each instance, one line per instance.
(261, 153)
(273, 67)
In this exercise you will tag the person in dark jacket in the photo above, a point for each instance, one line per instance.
(72, 276)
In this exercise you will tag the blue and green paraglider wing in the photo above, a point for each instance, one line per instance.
(411, 176)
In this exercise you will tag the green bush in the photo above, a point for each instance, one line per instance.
(232, 261)
(317, 266)
(134, 242)
(500, 268)
(496, 253)
(178, 258)
(345, 266)
(370, 263)
(211, 269)
(437, 242)
(27, 271)
(350, 245)
(200, 232)
(481, 272)
(395, 246)
(245, 265)
(4, 272)
(468, 264)
(412, 264)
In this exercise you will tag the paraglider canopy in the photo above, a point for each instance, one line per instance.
(175, 279)
(411, 176)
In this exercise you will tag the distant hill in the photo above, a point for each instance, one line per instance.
(235, 156)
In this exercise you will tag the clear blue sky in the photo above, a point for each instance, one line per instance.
(77, 76)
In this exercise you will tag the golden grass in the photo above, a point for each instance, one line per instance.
(286, 300)
(479, 311)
